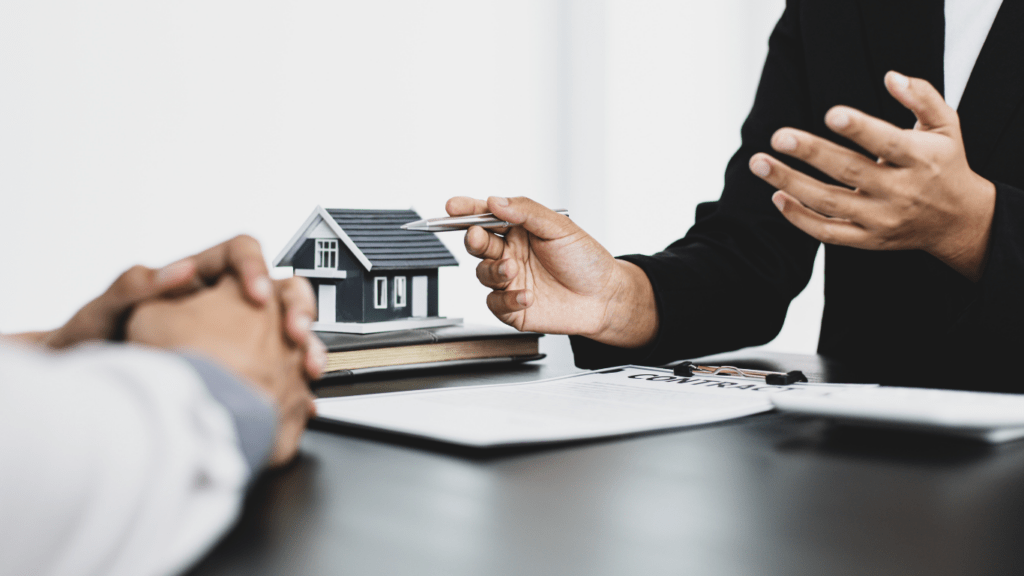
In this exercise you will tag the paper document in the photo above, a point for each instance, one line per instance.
(988, 416)
(609, 402)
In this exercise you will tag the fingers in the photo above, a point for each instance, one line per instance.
(139, 283)
(921, 98)
(841, 163)
(502, 302)
(465, 206)
(876, 136)
(176, 274)
(822, 228)
(535, 218)
(823, 198)
(299, 309)
(242, 255)
(496, 274)
(484, 244)
(316, 357)
(104, 317)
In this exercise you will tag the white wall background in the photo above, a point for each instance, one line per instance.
(139, 132)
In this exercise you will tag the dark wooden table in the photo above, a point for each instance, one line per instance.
(769, 494)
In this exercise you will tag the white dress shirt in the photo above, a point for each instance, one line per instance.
(967, 26)
(119, 460)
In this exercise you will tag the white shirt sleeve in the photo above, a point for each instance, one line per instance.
(116, 460)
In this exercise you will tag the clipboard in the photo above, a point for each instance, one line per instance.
(771, 378)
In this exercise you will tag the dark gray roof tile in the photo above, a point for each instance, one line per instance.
(379, 236)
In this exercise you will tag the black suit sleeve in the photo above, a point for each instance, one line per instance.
(990, 327)
(728, 283)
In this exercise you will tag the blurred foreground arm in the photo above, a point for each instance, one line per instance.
(120, 459)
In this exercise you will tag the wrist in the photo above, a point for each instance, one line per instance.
(965, 248)
(631, 314)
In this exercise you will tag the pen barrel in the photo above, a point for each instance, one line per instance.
(452, 224)
(462, 227)
(474, 220)
(500, 224)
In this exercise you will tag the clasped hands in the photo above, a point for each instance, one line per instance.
(220, 303)
(548, 275)
(920, 193)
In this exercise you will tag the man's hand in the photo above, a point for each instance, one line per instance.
(104, 318)
(223, 324)
(550, 276)
(919, 195)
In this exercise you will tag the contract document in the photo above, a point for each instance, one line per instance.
(602, 403)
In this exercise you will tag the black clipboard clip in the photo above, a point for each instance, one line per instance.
(772, 378)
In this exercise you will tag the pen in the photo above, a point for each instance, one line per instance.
(462, 222)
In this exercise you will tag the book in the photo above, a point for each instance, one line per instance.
(352, 354)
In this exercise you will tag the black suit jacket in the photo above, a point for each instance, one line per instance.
(728, 283)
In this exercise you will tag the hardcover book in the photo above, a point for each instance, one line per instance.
(351, 354)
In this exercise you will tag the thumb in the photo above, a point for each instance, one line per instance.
(535, 218)
(921, 98)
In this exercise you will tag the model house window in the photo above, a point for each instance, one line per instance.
(326, 254)
(399, 291)
(380, 292)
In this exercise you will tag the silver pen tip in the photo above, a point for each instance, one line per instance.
(417, 225)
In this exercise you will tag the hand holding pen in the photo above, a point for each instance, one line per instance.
(548, 275)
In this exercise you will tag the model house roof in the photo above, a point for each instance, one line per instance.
(374, 237)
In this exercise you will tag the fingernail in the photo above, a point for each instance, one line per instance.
(261, 288)
(499, 200)
(175, 272)
(502, 268)
(302, 322)
(839, 120)
(521, 299)
(785, 143)
(761, 168)
(779, 200)
(900, 81)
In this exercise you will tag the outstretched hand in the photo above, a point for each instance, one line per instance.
(919, 195)
(548, 275)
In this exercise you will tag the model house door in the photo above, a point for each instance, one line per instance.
(419, 295)
(327, 302)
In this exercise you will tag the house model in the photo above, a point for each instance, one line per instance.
(368, 274)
